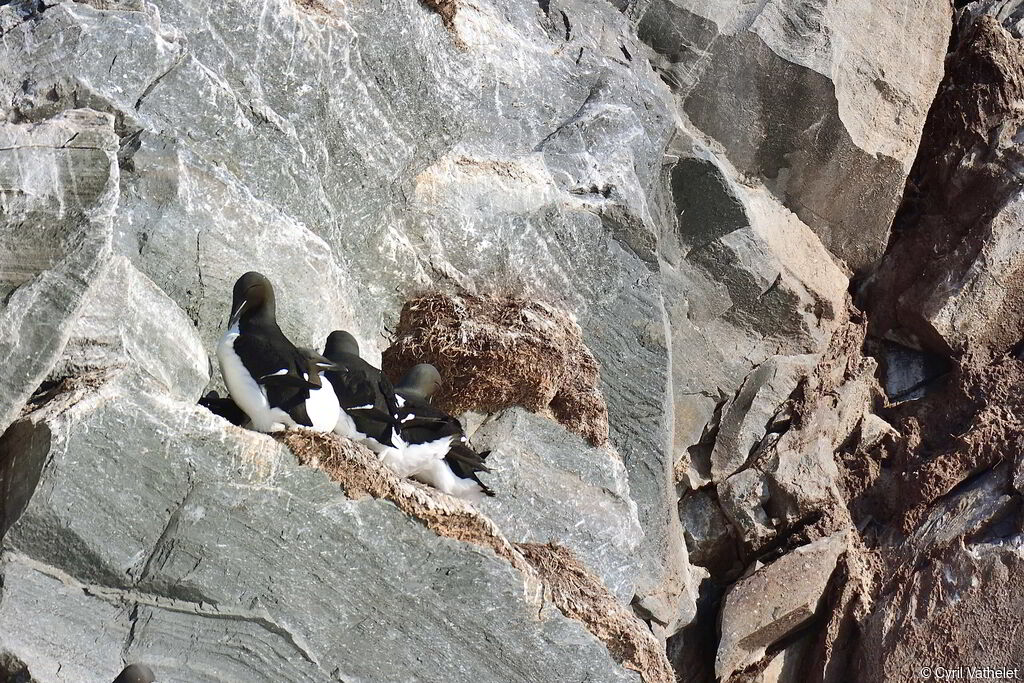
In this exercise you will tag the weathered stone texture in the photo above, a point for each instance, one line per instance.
(686, 188)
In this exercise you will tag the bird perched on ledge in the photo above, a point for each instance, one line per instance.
(268, 377)
(434, 447)
(320, 410)
(367, 399)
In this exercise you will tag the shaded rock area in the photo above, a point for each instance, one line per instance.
(730, 291)
(961, 207)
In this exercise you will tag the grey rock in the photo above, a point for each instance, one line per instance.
(745, 418)
(59, 178)
(909, 372)
(552, 486)
(162, 543)
(794, 476)
(744, 497)
(360, 164)
(785, 667)
(710, 538)
(46, 612)
(800, 467)
(969, 512)
(832, 131)
(634, 347)
(873, 430)
(746, 281)
(775, 601)
(684, 178)
(127, 317)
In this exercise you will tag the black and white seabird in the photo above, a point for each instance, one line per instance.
(367, 399)
(268, 377)
(433, 446)
(224, 407)
(135, 673)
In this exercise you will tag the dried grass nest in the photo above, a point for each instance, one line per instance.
(497, 352)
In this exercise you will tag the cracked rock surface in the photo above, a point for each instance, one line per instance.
(777, 244)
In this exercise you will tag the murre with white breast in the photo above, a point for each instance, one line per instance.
(368, 406)
(267, 376)
(435, 448)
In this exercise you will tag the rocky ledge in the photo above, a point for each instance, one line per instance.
(729, 290)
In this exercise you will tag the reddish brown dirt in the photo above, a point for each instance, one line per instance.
(447, 9)
(953, 190)
(974, 421)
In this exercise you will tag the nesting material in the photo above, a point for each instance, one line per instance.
(498, 352)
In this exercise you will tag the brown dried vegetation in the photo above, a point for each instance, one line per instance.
(497, 352)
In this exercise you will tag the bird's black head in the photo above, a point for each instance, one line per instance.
(135, 673)
(253, 298)
(422, 380)
(339, 342)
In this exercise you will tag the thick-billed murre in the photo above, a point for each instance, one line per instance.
(268, 377)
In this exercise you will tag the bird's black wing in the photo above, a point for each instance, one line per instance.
(366, 396)
(280, 367)
(273, 362)
(422, 422)
(355, 385)
(467, 463)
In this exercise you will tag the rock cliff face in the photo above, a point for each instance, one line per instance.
(763, 265)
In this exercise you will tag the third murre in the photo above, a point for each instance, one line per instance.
(434, 448)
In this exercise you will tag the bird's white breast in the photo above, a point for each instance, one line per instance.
(322, 407)
(245, 391)
(412, 458)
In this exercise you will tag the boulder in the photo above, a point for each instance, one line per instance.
(553, 487)
(774, 602)
(950, 285)
(746, 281)
(807, 98)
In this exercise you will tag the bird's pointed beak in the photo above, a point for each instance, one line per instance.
(237, 313)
